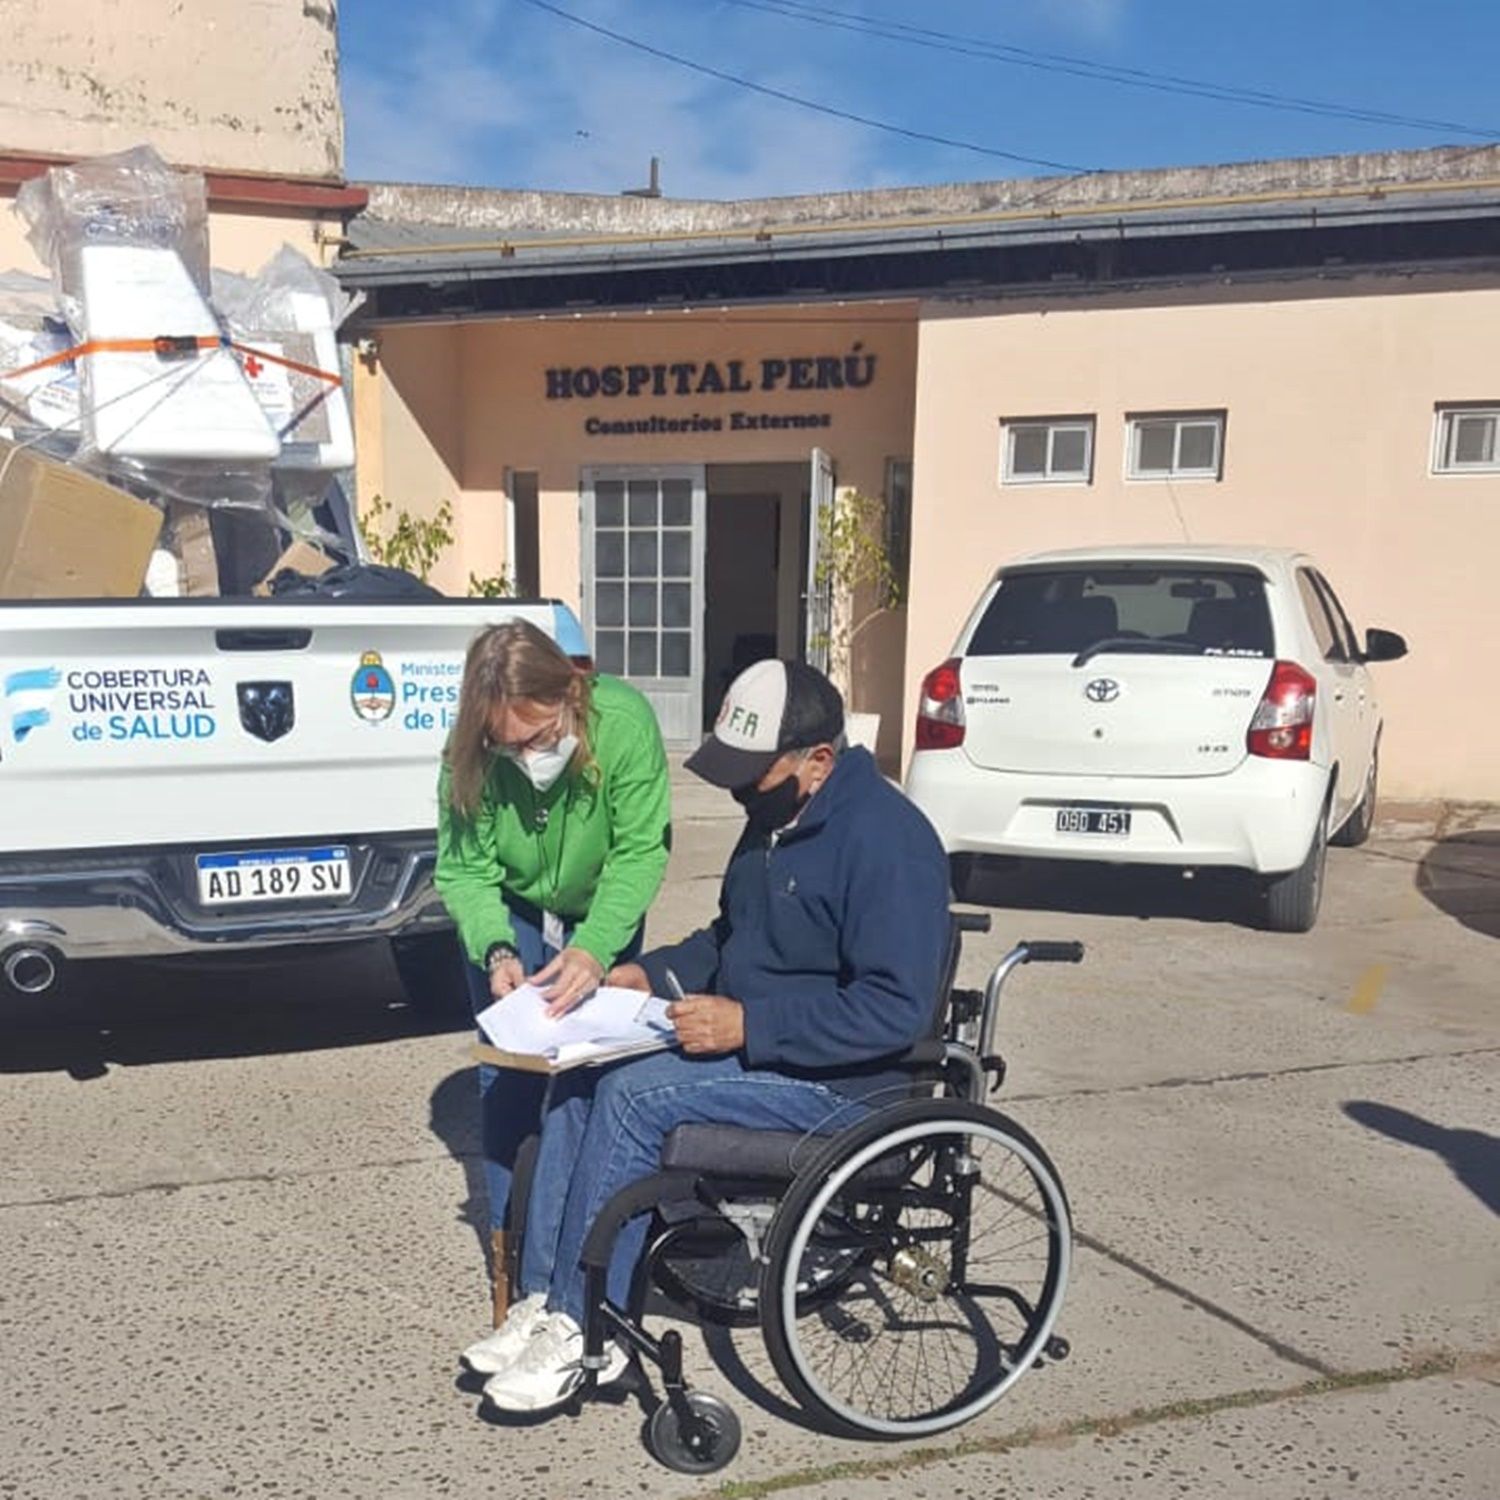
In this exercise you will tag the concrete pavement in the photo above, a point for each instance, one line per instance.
(239, 1244)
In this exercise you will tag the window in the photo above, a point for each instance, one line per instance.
(1158, 609)
(1179, 445)
(1468, 439)
(898, 519)
(1048, 450)
(1319, 617)
(1348, 641)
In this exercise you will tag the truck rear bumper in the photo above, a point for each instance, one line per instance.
(143, 902)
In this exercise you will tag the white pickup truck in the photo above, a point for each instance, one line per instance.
(209, 775)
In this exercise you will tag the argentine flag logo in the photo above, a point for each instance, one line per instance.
(28, 699)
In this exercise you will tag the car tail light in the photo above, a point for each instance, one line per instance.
(940, 716)
(1283, 723)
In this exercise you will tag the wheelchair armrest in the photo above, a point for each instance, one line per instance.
(927, 1053)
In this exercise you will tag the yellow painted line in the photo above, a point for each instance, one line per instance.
(1367, 990)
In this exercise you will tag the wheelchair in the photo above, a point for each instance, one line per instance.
(905, 1271)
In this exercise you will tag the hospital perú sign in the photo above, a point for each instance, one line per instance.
(775, 375)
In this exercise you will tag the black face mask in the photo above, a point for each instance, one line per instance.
(773, 809)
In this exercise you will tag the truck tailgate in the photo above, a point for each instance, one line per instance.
(165, 722)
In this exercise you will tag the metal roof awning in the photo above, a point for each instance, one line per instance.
(382, 253)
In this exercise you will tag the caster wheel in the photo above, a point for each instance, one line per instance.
(702, 1446)
(1058, 1348)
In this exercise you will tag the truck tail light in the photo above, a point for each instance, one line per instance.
(940, 715)
(1283, 723)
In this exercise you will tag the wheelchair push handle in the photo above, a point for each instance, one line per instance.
(971, 921)
(1051, 953)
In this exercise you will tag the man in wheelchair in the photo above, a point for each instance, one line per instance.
(819, 971)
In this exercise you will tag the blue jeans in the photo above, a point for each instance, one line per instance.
(605, 1130)
(511, 1102)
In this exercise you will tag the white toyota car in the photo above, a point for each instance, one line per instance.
(1187, 706)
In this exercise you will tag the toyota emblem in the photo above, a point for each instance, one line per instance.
(1102, 690)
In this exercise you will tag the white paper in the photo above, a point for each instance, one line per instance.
(610, 1020)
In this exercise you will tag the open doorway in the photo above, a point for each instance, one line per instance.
(755, 570)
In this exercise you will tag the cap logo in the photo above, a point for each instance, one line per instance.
(743, 720)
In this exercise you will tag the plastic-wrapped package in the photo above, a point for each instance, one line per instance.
(159, 388)
(132, 199)
(288, 315)
(38, 386)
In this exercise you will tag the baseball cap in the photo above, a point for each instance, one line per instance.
(770, 708)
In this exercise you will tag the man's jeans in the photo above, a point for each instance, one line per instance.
(510, 1101)
(605, 1130)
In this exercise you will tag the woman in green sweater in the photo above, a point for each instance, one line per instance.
(554, 817)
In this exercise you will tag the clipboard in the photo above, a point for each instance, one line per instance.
(536, 1062)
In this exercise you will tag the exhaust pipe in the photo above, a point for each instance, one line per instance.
(31, 970)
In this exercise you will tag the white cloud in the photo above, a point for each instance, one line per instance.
(539, 103)
(1090, 20)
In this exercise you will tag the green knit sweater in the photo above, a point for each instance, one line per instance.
(595, 858)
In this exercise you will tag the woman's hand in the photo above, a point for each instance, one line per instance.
(572, 976)
(629, 977)
(506, 976)
(708, 1024)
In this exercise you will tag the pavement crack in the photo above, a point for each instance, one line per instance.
(1215, 1310)
(1107, 1427)
(1267, 1075)
(107, 1195)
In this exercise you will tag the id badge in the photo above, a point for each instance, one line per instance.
(553, 933)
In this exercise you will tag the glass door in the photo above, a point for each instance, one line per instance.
(643, 535)
(818, 597)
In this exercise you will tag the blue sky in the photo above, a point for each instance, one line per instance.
(500, 93)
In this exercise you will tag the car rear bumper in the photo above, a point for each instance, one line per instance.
(1260, 816)
(124, 903)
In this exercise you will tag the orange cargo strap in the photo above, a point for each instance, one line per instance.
(165, 345)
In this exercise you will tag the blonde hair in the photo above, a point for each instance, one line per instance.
(506, 663)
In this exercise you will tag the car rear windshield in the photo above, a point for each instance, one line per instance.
(1178, 610)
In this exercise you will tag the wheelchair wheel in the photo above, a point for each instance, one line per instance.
(954, 1234)
(705, 1443)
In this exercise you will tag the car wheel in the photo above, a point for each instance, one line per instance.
(1361, 822)
(1293, 899)
(432, 974)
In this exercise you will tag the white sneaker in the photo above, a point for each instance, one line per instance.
(508, 1342)
(550, 1369)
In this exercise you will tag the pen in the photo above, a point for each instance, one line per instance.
(675, 985)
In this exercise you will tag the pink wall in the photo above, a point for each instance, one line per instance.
(1330, 391)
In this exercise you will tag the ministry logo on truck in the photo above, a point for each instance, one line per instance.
(372, 692)
(28, 699)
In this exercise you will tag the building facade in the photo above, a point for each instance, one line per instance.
(248, 94)
(640, 406)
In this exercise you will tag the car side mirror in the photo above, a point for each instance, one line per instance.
(1384, 645)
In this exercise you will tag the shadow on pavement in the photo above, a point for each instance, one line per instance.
(454, 1120)
(1472, 1156)
(1460, 875)
(131, 1014)
(1086, 889)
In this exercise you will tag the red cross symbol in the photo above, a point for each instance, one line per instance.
(253, 367)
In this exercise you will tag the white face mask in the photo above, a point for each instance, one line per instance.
(543, 767)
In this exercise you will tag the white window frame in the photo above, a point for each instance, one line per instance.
(1009, 426)
(1133, 426)
(1444, 420)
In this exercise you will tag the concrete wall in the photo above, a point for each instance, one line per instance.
(1330, 394)
(239, 239)
(234, 85)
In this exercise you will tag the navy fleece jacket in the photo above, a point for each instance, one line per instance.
(831, 935)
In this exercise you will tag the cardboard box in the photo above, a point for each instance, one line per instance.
(300, 557)
(192, 541)
(66, 535)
